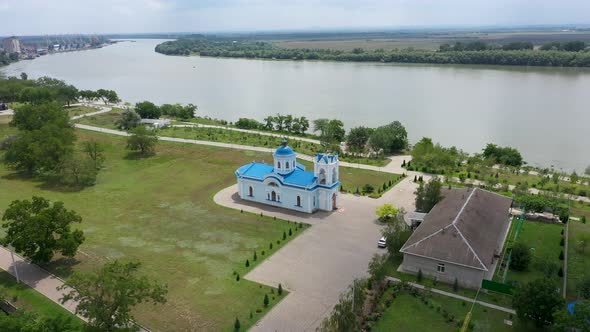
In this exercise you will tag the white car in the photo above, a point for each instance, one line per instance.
(382, 242)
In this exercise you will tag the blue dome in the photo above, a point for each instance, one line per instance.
(284, 151)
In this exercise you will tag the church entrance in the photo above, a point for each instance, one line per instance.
(334, 207)
(273, 196)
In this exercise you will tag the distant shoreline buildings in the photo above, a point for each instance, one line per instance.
(30, 47)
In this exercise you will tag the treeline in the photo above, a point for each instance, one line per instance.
(7, 58)
(46, 90)
(559, 54)
(149, 110)
(281, 123)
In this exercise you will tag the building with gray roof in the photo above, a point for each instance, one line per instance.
(462, 237)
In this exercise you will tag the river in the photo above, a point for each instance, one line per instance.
(543, 112)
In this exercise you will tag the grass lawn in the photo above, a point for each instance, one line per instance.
(409, 313)
(159, 210)
(25, 298)
(105, 120)
(578, 262)
(543, 239)
(78, 110)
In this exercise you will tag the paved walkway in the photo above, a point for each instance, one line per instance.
(37, 278)
(457, 296)
(318, 265)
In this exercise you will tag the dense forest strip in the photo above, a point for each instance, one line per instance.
(568, 54)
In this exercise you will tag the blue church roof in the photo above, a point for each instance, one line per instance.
(326, 157)
(284, 151)
(260, 171)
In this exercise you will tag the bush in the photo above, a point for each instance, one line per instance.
(368, 189)
(456, 285)
(266, 300)
(560, 272)
(583, 219)
(290, 233)
(419, 276)
(561, 255)
(561, 242)
(255, 257)
(280, 291)
(237, 277)
(247, 263)
(284, 236)
(521, 257)
(237, 325)
(270, 246)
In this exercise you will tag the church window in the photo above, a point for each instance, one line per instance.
(279, 164)
(287, 165)
(298, 200)
(250, 191)
(322, 176)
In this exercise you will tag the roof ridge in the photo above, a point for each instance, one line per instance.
(470, 247)
(425, 238)
(463, 207)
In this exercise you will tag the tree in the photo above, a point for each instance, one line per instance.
(142, 141)
(427, 196)
(266, 300)
(456, 285)
(45, 138)
(24, 76)
(386, 212)
(88, 95)
(107, 296)
(280, 291)
(503, 155)
(521, 257)
(578, 321)
(320, 125)
(334, 132)
(129, 119)
(37, 229)
(357, 139)
(389, 138)
(68, 94)
(343, 317)
(419, 276)
(147, 110)
(583, 288)
(396, 234)
(587, 170)
(378, 268)
(78, 172)
(107, 96)
(574, 177)
(237, 325)
(95, 152)
(537, 301)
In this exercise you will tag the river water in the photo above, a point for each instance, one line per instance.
(544, 112)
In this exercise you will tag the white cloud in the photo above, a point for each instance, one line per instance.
(111, 16)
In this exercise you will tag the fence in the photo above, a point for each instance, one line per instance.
(496, 287)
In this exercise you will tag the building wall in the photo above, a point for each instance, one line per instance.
(467, 277)
(11, 45)
(286, 196)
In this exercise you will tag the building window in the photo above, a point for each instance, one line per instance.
(287, 165)
(279, 164)
(440, 268)
(250, 191)
(298, 200)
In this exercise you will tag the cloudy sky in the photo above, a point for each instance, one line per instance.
(21, 17)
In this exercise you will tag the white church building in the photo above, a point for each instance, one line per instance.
(287, 184)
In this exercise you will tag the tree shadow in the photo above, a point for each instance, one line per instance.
(46, 182)
(63, 267)
(138, 155)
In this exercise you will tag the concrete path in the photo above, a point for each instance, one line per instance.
(7, 112)
(37, 278)
(318, 265)
(457, 296)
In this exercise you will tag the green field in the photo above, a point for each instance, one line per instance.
(79, 110)
(159, 210)
(543, 240)
(409, 313)
(25, 298)
(578, 262)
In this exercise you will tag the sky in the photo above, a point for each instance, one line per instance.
(33, 17)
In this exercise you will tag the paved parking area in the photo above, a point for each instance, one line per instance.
(319, 264)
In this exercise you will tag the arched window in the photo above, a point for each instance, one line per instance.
(250, 191)
(293, 163)
(322, 176)
(273, 196)
(279, 163)
(287, 165)
(334, 176)
(298, 200)
(272, 184)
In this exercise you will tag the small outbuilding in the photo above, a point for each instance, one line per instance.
(461, 238)
(156, 123)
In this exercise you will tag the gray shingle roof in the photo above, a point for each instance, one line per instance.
(465, 228)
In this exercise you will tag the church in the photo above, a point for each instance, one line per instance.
(288, 185)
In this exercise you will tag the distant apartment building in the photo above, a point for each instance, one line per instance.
(11, 45)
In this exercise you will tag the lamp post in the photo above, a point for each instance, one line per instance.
(15, 267)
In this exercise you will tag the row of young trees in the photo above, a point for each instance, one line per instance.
(564, 55)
